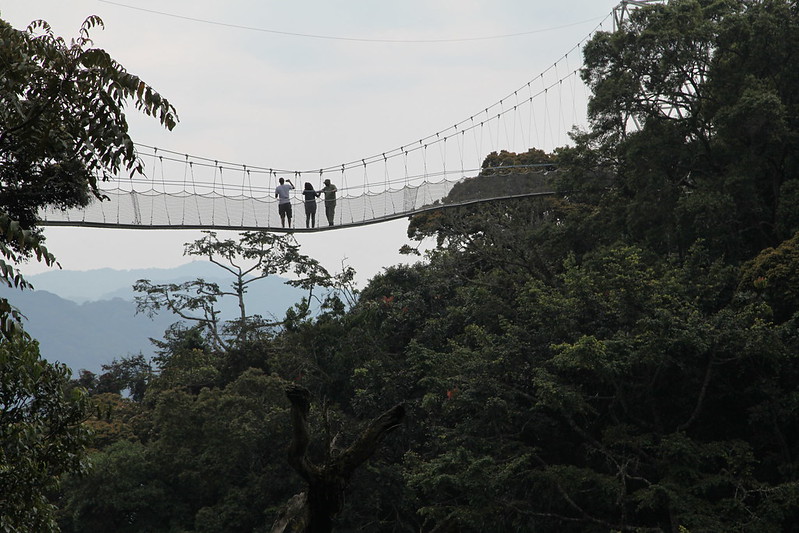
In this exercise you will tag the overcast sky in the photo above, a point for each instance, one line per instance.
(307, 84)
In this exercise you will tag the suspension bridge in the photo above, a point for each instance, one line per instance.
(182, 191)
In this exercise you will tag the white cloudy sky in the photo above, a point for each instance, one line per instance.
(255, 82)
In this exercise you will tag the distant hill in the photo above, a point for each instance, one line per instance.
(267, 297)
(86, 335)
(86, 319)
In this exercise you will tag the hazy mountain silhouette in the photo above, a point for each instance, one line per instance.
(86, 319)
(86, 335)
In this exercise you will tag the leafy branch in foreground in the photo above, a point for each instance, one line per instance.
(27, 241)
(62, 128)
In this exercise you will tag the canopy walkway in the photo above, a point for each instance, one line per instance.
(181, 191)
(147, 204)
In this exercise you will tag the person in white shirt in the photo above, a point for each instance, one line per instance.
(284, 200)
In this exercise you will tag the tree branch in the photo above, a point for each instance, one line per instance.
(326, 483)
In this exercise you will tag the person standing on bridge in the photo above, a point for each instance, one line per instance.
(310, 196)
(330, 200)
(284, 200)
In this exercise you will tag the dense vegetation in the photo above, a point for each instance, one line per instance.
(621, 356)
(62, 128)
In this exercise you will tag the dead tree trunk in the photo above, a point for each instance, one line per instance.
(327, 482)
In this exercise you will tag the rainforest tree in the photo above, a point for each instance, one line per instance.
(695, 104)
(62, 130)
(42, 437)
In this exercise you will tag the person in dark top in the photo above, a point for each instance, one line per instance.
(310, 195)
(330, 200)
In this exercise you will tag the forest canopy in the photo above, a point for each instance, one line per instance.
(62, 129)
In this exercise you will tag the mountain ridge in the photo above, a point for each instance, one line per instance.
(85, 319)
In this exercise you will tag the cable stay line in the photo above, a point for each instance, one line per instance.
(342, 38)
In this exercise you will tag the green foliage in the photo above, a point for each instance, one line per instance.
(131, 374)
(62, 127)
(205, 462)
(41, 436)
(694, 102)
(612, 399)
(113, 419)
(506, 174)
(503, 174)
(62, 121)
(119, 493)
(15, 244)
(773, 274)
(621, 356)
(184, 361)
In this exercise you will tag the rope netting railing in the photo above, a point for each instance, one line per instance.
(187, 191)
(245, 207)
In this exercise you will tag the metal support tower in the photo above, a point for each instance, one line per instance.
(621, 11)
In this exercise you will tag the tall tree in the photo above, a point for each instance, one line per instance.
(207, 461)
(62, 120)
(62, 131)
(255, 256)
(695, 101)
